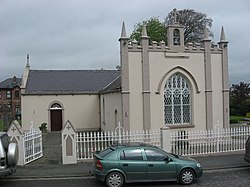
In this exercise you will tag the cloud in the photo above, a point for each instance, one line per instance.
(62, 34)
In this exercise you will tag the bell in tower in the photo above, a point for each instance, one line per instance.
(176, 37)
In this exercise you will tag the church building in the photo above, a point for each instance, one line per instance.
(176, 86)
(159, 85)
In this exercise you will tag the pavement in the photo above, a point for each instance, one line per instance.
(83, 169)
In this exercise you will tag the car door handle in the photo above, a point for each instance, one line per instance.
(151, 165)
(125, 164)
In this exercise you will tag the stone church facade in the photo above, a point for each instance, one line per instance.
(174, 85)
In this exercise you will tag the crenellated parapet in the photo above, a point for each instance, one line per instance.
(161, 46)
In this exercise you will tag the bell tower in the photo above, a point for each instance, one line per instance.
(175, 34)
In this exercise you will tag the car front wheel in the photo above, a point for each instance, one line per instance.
(114, 179)
(187, 176)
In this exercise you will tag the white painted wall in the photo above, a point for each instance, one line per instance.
(112, 102)
(161, 68)
(135, 88)
(81, 110)
(217, 90)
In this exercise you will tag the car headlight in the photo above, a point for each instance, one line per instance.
(198, 165)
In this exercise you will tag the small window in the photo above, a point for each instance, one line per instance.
(8, 94)
(103, 111)
(17, 95)
(134, 154)
(56, 106)
(116, 120)
(9, 107)
(154, 155)
(17, 109)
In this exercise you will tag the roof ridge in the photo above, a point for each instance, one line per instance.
(74, 70)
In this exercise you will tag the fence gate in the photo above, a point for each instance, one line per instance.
(32, 145)
(29, 142)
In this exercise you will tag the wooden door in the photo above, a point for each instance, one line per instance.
(56, 120)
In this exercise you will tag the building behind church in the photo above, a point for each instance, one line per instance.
(10, 100)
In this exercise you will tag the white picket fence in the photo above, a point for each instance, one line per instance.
(182, 142)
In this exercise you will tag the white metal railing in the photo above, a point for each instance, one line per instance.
(32, 145)
(209, 141)
(184, 142)
(89, 142)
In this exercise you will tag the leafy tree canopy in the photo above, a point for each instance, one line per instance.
(155, 30)
(194, 25)
(239, 99)
(240, 92)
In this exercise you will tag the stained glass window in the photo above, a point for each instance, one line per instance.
(177, 100)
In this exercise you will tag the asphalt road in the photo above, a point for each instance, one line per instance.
(239, 177)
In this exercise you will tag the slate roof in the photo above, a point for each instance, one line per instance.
(8, 83)
(69, 81)
(113, 86)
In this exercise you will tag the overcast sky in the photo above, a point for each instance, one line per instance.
(81, 34)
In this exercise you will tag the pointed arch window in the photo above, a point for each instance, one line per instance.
(17, 95)
(103, 111)
(116, 119)
(177, 100)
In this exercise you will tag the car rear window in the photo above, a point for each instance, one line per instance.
(105, 152)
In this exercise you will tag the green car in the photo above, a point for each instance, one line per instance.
(139, 162)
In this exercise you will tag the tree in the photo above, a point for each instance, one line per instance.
(155, 30)
(239, 96)
(194, 24)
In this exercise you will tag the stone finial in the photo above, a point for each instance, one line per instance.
(223, 42)
(222, 35)
(144, 31)
(123, 33)
(28, 61)
(205, 36)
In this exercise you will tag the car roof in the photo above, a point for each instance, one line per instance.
(2, 133)
(131, 144)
